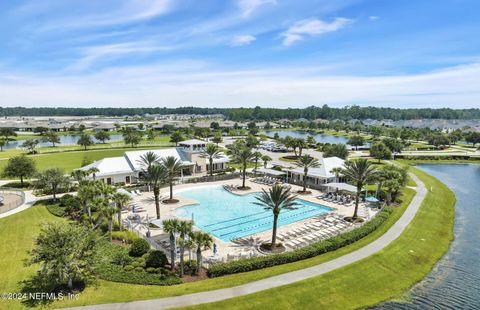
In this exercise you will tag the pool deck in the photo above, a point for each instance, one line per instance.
(146, 207)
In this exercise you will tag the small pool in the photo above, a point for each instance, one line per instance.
(228, 216)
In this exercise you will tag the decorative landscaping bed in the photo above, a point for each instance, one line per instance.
(113, 262)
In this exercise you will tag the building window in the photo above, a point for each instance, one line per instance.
(127, 179)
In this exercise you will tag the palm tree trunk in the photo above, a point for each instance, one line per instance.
(182, 253)
(171, 189)
(110, 228)
(274, 231)
(357, 198)
(199, 259)
(211, 166)
(389, 197)
(21, 180)
(119, 218)
(244, 174)
(305, 181)
(156, 194)
(173, 251)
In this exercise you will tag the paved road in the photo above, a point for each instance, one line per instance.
(283, 279)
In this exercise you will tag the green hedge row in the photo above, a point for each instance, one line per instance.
(312, 250)
(116, 273)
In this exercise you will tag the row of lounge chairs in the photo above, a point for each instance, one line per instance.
(313, 232)
(135, 192)
(266, 181)
(338, 198)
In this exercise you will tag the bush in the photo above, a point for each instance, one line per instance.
(107, 270)
(128, 268)
(139, 247)
(312, 250)
(56, 210)
(156, 259)
(122, 259)
(190, 267)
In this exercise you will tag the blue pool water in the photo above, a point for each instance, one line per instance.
(228, 216)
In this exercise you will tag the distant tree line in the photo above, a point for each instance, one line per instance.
(258, 113)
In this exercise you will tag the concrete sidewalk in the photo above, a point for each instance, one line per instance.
(283, 279)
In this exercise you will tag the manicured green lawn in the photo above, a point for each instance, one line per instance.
(380, 277)
(72, 160)
(17, 235)
(21, 229)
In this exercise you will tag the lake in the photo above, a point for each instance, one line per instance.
(323, 138)
(64, 140)
(454, 283)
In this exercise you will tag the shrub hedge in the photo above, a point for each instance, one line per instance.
(139, 247)
(312, 250)
(56, 210)
(111, 264)
(156, 259)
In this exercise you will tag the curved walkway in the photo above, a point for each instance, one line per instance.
(283, 279)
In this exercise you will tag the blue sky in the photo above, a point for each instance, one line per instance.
(230, 53)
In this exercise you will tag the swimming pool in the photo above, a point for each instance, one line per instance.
(228, 216)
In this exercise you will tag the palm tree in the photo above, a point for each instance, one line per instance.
(256, 156)
(184, 228)
(306, 162)
(211, 152)
(86, 193)
(266, 159)
(171, 227)
(146, 161)
(276, 199)
(311, 141)
(242, 155)
(337, 171)
(156, 175)
(361, 172)
(173, 167)
(121, 199)
(108, 210)
(79, 175)
(202, 241)
(93, 171)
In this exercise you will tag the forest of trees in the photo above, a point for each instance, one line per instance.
(258, 113)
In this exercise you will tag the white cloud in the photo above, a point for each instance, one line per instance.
(241, 40)
(111, 13)
(312, 27)
(248, 6)
(95, 53)
(190, 83)
(373, 17)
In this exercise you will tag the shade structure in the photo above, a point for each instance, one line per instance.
(157, 222)
(371, 199)
(342, 186)
(271, 172)
(124, 191)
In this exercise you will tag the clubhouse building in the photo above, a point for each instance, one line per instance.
(126, 169)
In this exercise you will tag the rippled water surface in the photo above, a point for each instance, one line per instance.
(64, 140)
(455, 281)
